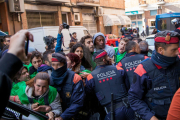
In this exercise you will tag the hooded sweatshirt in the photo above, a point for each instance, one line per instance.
(55, 105)
(110, 50)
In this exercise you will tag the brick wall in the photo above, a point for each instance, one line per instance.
(100, 26)
(24, 20)
(113, 3)
(115, 30)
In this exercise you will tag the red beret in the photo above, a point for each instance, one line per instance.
(168, 39)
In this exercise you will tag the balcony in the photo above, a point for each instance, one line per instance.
(91, 3)
(47, 1)
(142, 3)
(160, 2)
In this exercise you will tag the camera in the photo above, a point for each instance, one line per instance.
(65, 26)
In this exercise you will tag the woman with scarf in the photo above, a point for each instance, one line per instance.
(69, 85)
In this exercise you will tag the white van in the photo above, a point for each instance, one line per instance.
(40, 32)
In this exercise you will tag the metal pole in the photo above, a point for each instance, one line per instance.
(112, 109)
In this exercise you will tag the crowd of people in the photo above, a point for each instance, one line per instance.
(93, 80)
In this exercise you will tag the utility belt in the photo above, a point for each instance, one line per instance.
(124, 102)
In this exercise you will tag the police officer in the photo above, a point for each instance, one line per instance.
(126, 34)
(69, 85)
(107, 79)
(156, 80)
(176, 23)
(132, 59)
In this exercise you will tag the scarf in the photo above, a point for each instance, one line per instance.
(58, 76)
(119, 56)
(162, 60)
(44, 68)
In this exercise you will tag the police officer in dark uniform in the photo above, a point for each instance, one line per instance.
(132, 59)
(176, 23)
(126, 34)
(107, 79)
(156, 80)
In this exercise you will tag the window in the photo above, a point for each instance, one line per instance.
(133, 17)
(152, 23)
(39, 19)
(153, 12)
(139, 16)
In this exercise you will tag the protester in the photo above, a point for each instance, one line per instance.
(132, 59)
(47, 57)
(107, 79)
(143, 32)
(41, 97)
(99, 42)
(69, 85)
(87, 41)
(79, 50)
(73, 62)
(137, 40)
(8, 70)
(120, 51)
(126, 34)
(144, 48)
(135, 33)
(74, 37)
(36, 60)
(6, 40)
(156, 80)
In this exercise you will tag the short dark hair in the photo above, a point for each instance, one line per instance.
(35, 54)
(125, 40)
(42, 76)
(163, 45)
(82, 41)
(73, 33)
(6, 36)
(130, 45)
(46, 53)
(143, 46)
(74, 47)
(138, 39)
(99, 61)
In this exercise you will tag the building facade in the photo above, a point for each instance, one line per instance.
(92, 14)
(143, 12)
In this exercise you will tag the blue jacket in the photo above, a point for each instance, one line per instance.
(58, 47)
(76, 96)
(139, 89)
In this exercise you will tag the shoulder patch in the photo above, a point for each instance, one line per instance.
(77, 78)
(89, 77)
(146, 57)
(119, 68)
(140, 70)
(119, 64)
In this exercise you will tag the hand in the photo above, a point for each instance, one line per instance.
(35, 105)
(59, 118)
(84, 74)
(153, 118)
(17, 44)
(60, 28)
(17, 99)
(43, 108)
(50, 115)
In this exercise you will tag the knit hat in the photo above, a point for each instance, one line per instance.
(168, 37)
(57, 57)
(99, 54)
(98, 34)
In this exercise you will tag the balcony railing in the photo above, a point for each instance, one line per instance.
(88, 1)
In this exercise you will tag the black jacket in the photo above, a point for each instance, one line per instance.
(9, 66)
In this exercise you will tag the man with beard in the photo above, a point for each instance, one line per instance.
(69, 85)
(120, 51)
(87, 41)
(107, 79)
(99, 42)
(156, 80)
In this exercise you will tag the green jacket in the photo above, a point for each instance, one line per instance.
(118, 58)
